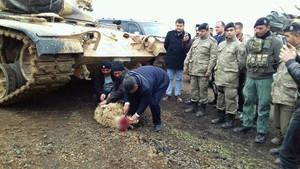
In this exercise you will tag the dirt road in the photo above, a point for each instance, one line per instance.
(58, 131)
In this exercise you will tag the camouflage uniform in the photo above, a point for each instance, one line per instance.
(262, 63)
(231, 58)
(284, 91)
(200, 59)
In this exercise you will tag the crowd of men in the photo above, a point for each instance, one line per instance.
(245, 73)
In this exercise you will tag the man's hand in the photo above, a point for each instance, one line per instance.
(272, 94)
(186, 71)
(186, 38)
(286, 54)
(103, 102)
(126, 109)
(102, 97)
(134, 119)
(207, 74)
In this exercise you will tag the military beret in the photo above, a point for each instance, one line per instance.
(293, 27)
(129, 83)
(262, 21)
(229, 25)
(105, 64)
(118, 22)
(117, 66)
(203, 26)
(197, 25)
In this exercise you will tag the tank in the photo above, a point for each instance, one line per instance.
(43, 43)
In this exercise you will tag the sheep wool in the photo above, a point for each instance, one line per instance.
(109, 115)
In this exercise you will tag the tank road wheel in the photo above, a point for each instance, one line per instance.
(19, 78)
(7, 80)
(25, 62)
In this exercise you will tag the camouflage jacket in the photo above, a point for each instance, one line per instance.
(201, 57)
(263, 56)
(244, 39)
(231, 58)
(284, 88)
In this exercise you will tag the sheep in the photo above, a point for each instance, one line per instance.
(109, 115)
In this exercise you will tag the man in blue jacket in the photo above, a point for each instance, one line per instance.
(175, 43)
(145, 86)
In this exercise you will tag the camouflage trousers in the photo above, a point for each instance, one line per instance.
(227, 99)
(257, 89)
(199, 89)
(282, 117)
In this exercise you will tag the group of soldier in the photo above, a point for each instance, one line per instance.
(246, 73)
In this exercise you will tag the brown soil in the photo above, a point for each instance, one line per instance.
(58, 131)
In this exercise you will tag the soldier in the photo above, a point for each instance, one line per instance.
(231, 58)
(199, 63)
(242, 75)
(290, 150)
(262, 61)
(220, 37)
(284, 93)
(186, 46)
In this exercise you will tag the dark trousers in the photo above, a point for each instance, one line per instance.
(242, 79)
(290, 149)
(135, 100)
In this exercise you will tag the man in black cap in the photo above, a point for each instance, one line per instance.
(231, 58)
(290, 149)
(119, 25)
(145, 86)
(262, 61)
(117, 92)
(199, 63)
(103, 81)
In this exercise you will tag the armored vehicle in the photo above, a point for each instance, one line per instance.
(45, 42)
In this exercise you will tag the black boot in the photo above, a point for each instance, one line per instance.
(220, 119)
(229, 121)
(201, 111)
(192, 109)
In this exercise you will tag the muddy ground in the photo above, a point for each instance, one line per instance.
(58, 131)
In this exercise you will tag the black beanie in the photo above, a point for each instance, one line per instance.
(293, 27)
(117, 66)
(262, 21)
(105, 64)
(203, 26)
(229, 25)
(129, 83)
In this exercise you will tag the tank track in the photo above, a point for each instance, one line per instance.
(46, 74)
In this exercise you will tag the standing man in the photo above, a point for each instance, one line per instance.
(262, 62)
(117, 92)
(242, 75)
(175, 58)
(199, 63)
(145, 86)
(211, 31)
(290, 149)
(284, 92)
(220, 37)
(186, 46)
(103, 81)
(231, 58)
(119, 25)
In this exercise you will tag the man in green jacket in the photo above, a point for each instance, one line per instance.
(231, 58)
(199, 63)
(262, 61)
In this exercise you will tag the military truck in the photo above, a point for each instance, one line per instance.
(45, 42)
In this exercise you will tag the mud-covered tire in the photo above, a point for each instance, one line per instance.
(9, 76)
(19, 78)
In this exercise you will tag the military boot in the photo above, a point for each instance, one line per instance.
(220, 119)
(192, 109)
(201, 111)
(229, 121)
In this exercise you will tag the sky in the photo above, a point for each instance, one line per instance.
(193, 11)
